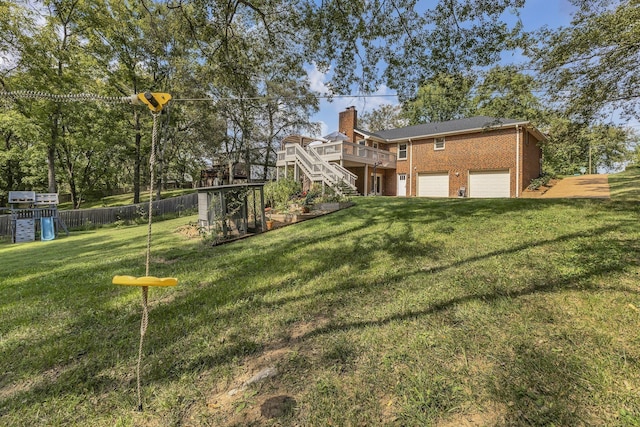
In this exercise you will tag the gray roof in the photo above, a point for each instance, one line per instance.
(452, 126)
(336, 136)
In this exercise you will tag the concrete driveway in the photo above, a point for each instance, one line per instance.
(583, 186)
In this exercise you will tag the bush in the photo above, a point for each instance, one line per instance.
(539, 182)
(278, 193)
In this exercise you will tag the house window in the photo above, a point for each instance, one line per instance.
(402, 151)
(362, 142)
(374, 144)
(438, 144)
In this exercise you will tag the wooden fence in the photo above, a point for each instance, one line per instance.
(79, 218)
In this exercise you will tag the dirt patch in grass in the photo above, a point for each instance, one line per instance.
(47, 376)
(277, 406)
(255, 395)
(389, 410)
(492, 415)
(189, 231)
(303, 329)
(239, 402)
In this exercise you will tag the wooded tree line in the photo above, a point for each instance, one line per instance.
(236, 71)
(577, 85)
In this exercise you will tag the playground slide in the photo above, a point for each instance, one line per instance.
(47, 229)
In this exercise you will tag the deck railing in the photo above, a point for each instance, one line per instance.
(355, 152)
(316, 168)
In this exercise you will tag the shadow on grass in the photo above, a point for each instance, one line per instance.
(102, 335)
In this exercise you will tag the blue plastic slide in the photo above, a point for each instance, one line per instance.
(47, 228)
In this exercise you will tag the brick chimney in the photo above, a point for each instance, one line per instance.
(347, 121)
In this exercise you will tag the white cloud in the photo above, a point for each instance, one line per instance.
(324, 129)
(372, 101)
(329, 110)
(317, 80)
(363, 104)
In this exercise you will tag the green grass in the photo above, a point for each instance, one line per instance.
(123, 199)
(626, 185)
(400, 312)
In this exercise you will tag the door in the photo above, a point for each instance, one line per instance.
(433, 184)
(490, 184)
(402, 185)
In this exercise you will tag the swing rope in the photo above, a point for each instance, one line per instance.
(155, 102)
(145, 289)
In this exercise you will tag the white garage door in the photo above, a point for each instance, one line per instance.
(433, 185)
(489, 184)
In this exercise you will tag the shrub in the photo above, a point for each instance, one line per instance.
(278, 193)
(539, 182)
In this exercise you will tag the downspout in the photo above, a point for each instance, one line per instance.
(517, 161)
(410, 167)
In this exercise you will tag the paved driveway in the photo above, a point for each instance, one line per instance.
(583, 186)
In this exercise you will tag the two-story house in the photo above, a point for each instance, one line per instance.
(472, 157)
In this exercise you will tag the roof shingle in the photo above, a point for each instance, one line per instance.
(451, 126)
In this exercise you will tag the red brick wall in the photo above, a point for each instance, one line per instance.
(388, 180)
(492, 150)
(389, 183)
(531, 155)
(359, 171)
(347, 121)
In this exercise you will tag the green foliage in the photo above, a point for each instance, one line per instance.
(573, 146)
(408, 44)
(278, 193)
(539, 182)
(382, 118)
(379, 314)
(441, 98)
(591, 66)
(504, 92)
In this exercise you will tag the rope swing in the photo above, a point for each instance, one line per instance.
(155, 102)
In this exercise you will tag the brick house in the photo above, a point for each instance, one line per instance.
(472, 157)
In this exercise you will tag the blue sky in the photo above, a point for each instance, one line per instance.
(535, 14)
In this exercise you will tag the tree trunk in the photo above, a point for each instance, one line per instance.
(247, 164)
(71, 176)
(51, 154)
(267, 155)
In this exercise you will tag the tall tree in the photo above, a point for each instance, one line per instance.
(403, 43)
(592, 65)
(574, 147)
(131, 50)
(52, 59)
(505, 92)
(22, 164)
(384, 117)
(441, 98)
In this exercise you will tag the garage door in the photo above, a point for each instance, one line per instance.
(489, 184)
(433, 185)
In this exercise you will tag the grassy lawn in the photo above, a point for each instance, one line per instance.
(400, 312)
(124, 199)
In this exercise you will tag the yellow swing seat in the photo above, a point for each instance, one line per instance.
(144, 281)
